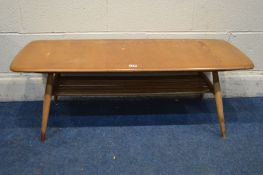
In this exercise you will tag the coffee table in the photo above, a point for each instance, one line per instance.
(130, 67)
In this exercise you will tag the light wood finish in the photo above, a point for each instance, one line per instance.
(219, 103)
(46, 106)
(129, 56)
(132, 57)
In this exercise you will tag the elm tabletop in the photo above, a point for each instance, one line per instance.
(129, 55)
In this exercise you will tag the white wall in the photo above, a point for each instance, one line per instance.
(238, 21)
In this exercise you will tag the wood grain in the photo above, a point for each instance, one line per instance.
(134, 55)
(130, 86)
(219, 103)
(46, 106)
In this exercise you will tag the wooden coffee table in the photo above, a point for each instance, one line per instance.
(130, 67)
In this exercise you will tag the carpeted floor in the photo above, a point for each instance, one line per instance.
(144, 136)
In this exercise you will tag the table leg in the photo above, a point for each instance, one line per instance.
(219, 103)
(56, 76)
(46, 106)
(56, 99)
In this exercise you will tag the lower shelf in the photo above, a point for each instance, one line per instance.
(131, 86)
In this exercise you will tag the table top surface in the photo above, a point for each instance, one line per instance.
(129, 55)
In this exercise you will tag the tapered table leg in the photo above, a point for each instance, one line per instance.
(46, 106)
(56, 76)
(219, 103)
(56, 99)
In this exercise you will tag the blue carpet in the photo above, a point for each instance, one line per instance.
(133, 136)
